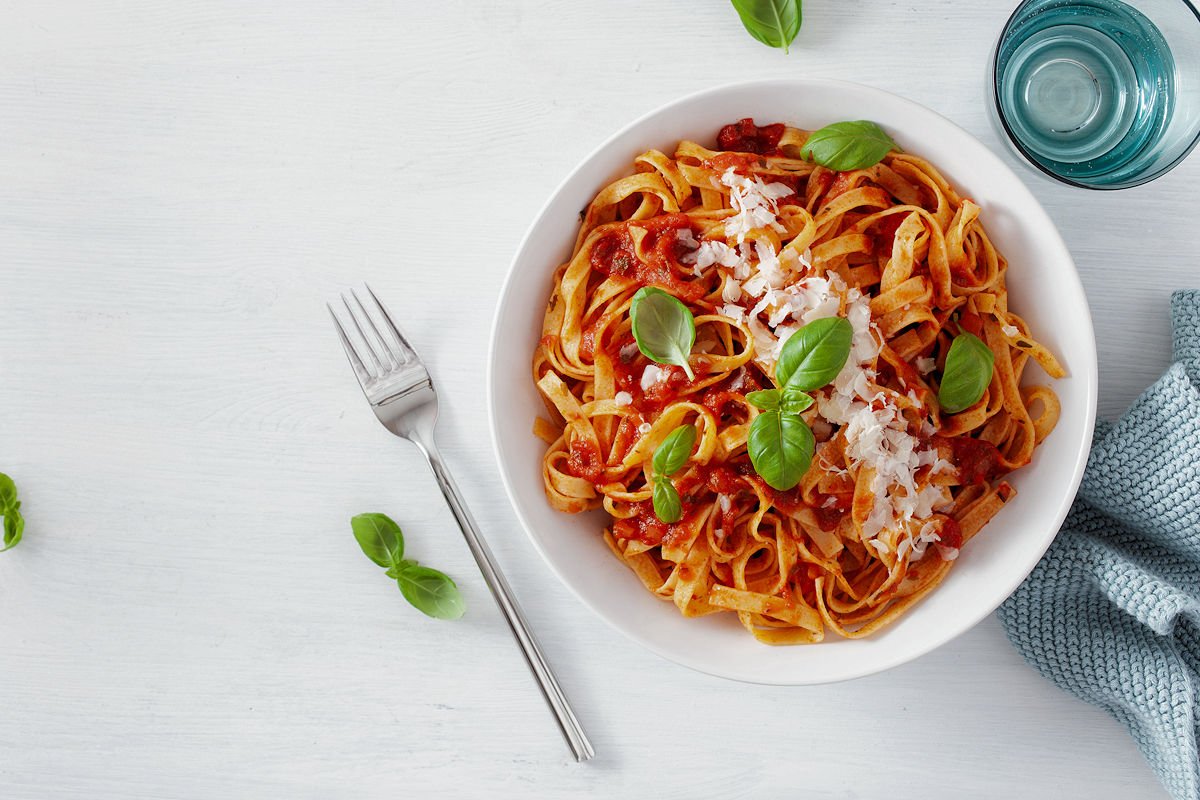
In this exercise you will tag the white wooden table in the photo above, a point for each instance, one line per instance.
(183, 184)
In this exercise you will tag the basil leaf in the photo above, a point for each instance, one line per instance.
(794, 400)
(815, 354)
(431, 592)
(8, 492)
(674, 451)
(667, 505)
(14, 527)
(775, 23)
(767, 400)
(10, 508)
(663, 327)
(967, 374)
(846, 146)
(379, 537)
(781, 448)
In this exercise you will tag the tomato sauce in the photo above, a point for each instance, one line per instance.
(738, 162)
(950, 534)
(613, 255)
(978, 460)
(885, 233)
(971, 322)
(584, 461)
(643, 526)
(746, 137)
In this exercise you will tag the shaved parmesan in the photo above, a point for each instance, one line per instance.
(651, 375)
(754, 203)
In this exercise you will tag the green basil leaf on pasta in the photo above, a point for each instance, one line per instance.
(814, 355)
(431, 592)
(767, 400)
(845, 146)
(793, 400)
(663, 327)
(379, 537)
(775, 23)
(667, 505)
(781, 448)
(967, 374)
(674, 451)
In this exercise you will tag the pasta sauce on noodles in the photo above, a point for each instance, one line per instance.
(758, 242)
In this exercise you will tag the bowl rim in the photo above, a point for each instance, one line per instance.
(1071, 278)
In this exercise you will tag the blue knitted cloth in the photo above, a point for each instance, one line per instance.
(1112, 612)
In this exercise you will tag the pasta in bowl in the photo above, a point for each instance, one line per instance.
(794, 392)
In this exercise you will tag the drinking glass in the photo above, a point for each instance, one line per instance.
(1101, 94)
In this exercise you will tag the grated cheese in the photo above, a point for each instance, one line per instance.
(623, 398)
(754, 203)
(651, 375)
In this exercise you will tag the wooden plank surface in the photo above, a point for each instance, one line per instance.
(183, 184)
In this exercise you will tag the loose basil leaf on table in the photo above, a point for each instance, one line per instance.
(663, 328)
(674, 451)
(775, 23)
(814, 355)
(781, 448)
(667, 505)
(845, 146)
(379, 537)
(967, 374)
(10, 508)
(431, 592)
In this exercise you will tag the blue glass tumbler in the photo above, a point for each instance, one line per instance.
(1102, 94)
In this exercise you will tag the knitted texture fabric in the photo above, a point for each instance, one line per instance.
(1112, 612)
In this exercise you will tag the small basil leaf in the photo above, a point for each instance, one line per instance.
(846, 146)
(775, 23)
(14, 528)
(781, 448)
(431, 592)
(663, 328)
(667, 505)
(8, 492)
(815, 354)
(379, 537)
(674, 451)
(967, 374)
(767, 400)
(794, 400)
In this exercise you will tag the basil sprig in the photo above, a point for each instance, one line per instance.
(668, 459)
(10, 508)
(780, 443)
(663, 327)
(967, 374)
(845, 146)
(775, 23)
(429, 591)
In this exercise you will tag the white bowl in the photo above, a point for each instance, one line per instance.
(1043, 288)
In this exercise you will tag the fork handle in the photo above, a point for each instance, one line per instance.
(572, 731)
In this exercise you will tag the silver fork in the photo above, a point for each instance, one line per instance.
(401, 394)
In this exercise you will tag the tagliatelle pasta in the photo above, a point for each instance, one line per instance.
(758, 242)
